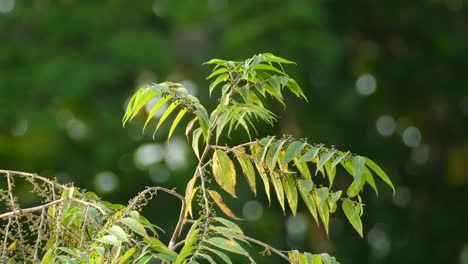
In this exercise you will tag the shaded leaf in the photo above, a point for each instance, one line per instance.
(305, 188)
(220, 254)
(229, 245)
(248, 170)
(293, 150)
(310, 154)
(277, 185)
(289, 186)
(373, 166)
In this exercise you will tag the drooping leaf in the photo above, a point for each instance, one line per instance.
(302, 168)
(358, 168)
(195, 140)
(320, 197)
(176, 121)
(166, 113)
(207, 257)
(273, 154)
(224, 172)
(373, 166)
(261, 171)
(190, 191)
(248, 170)
(305, 189)
(203, 118)
(278, 186)
(162, 101)
(219, 202)
(217, 72)
(190, 243)
(221, 78)
(289, 186)
(352, 212)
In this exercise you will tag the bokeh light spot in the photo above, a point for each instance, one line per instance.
(297, 226)
(252, 210)
(159, 173)
(76, 129)
(106, 181)
(402, 196)
(176, 154)
(6, 6)
(421, 154)
(464, 255)
(385, 125)
(20, 128)
(411, 137)
(148, 154)
(366, 84)
(379, 241)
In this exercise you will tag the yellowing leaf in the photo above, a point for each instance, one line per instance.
(276, 182)
(224, 172)
(219, 202)
(176, 121)
(289, 186)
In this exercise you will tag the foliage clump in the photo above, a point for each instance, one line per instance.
(75, 226)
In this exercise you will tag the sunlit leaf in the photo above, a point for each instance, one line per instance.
(229, 245)
(135, 226)
(352, 212)
(162, 101)
(229, 225)
(176, 121)
(195, 140)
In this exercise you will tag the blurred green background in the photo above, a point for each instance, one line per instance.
(385, 79)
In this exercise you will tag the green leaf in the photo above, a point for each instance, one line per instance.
(48, 257)
(224, 172)
(310, 154)
(145, 259)
(219, 202)
(189, 246)
(220, 254)
(230, 225)
(325, 158)
(229, 245)
(293, 150)
(305, 188)
(267, 67)
(358, 167)
(156, 107)
(217, 72)
(262, 154)
(127, 255)
(302, 168)
(195, 140)
(339, 158)
(289, 186)
(261, 171)
(109, 239)
(135, 226)
(118, 232)
(352, 212)
(276, 182)
(273, 58)
(138, 100)
(166, 114)
(221, 78)
(203, 119)
(370, 179)
(273, 154)
(215, 61)
(159, 246)
(373, 166)
(248, 170)
(176, 121)
(320, 197)
(295, 88)
(207, 257)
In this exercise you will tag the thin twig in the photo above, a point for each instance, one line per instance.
(19, 211)
(178, 244)
(38, 241)
(276, 251)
